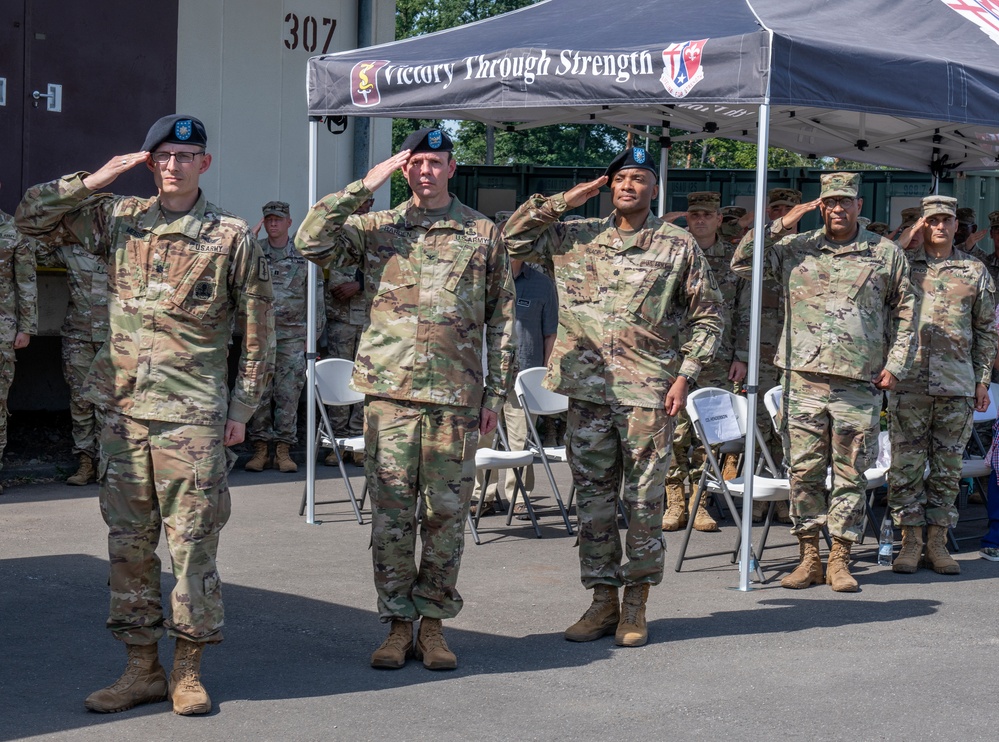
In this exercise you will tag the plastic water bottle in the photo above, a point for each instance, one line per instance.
(886, 544)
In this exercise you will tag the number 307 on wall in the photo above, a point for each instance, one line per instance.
(305, 32)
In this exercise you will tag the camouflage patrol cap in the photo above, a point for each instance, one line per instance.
(863, 221)
(632, 157)
(177, 128)
(573, 218)
(277, 208)
(783, 197)
(994, 219)
(502, 216)
(933, 205)
(839, 184)
(732, 213)
(704, 201)
(965, 215)
(910, 216)
(429, 139)
(878, 228)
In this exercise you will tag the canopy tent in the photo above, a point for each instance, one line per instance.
(913, 86)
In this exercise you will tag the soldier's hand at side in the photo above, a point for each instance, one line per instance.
(580, 193)
(21, 340)
(345, 291)
(676, 397)
(113, 168)
(794, 215)
(487, 421)
(234, 433)
(737, 371)
(380, 173)
(885, 380)
(982, 400)
(974, 238)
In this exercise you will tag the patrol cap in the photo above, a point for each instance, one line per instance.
(965, 215)
(783, 197)
(430, 139)
(933, 205)
(863, 221)
(910, 216)
(502, 216)
(177, 128)
(277, 208)
(878, 228)
(732, 213)
(632, 157)
(573, 218)
(703, 201)
(994, 219)
(839, 184)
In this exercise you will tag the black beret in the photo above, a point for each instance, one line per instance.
(632, 157)
(176, 128)
(428, 140)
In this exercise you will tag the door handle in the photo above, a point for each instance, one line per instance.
(53, 98)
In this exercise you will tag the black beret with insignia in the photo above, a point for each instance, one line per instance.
(430, 139)
(177, 128)
(632, 157)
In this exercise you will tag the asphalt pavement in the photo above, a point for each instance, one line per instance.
(909, 657)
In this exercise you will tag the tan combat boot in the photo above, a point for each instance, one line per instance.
(331, 459)
(283, 459)
(809, 569)
(911, 552)
(432, 648)
(631, 628)
(85, 474)
(783, 511)
(144, 681)
(261, 460)
(760, 511)
(838, 567)
(702, 520)
(600, 619)
(675, 516)
(188, 694)
(937, 556)
(397, 647)
(730, 466)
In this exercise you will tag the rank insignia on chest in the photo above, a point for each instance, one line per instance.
(204, 290)
(263, 270)
(523, 302)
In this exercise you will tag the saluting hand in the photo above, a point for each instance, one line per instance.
(380, 173)
(113, 168)
(794, 215)
(580, 193)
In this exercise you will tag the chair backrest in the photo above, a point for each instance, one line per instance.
(720, 414)
(772, 400)
(537, 399)
(332, 382)
(990, 413)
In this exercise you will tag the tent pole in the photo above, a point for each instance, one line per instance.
(310, 340)
(663, 172)
(753, 378)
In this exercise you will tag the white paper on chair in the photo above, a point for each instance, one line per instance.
(718, 419)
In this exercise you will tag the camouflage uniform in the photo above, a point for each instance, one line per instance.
(84, 330)
(621, 305)
(437, 287)
(838, 300)
(276, 419)
(930, 414)
(18, 307)
(160, 383)
(344, 323)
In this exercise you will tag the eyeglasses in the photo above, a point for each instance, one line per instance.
(833, 201)
(184, 158)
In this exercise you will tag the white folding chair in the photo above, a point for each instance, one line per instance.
(719, 417)
(494, 459)
(536, 400)
(333, 389)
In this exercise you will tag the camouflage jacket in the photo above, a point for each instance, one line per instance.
(172, 288)
(991, 261)
(956, 336)
(289, 282)
(435, 292)
(351, 312)
(848, 307)
(18, 284)
(622, 303)
(771, 318)
(87, 279)
(735, 310)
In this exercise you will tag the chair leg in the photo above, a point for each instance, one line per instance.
(687, 531)
(528, 505)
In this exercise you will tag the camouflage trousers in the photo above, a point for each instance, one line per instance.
(77, 356)
(832, 422)
(170, 474)
(418, 453)
(276, 419)
(342, 339)
(926, 429)
(604, 444)
(6, 379)
(515, 426)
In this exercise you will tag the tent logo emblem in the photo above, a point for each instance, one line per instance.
(682, 67)
(364, 83)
